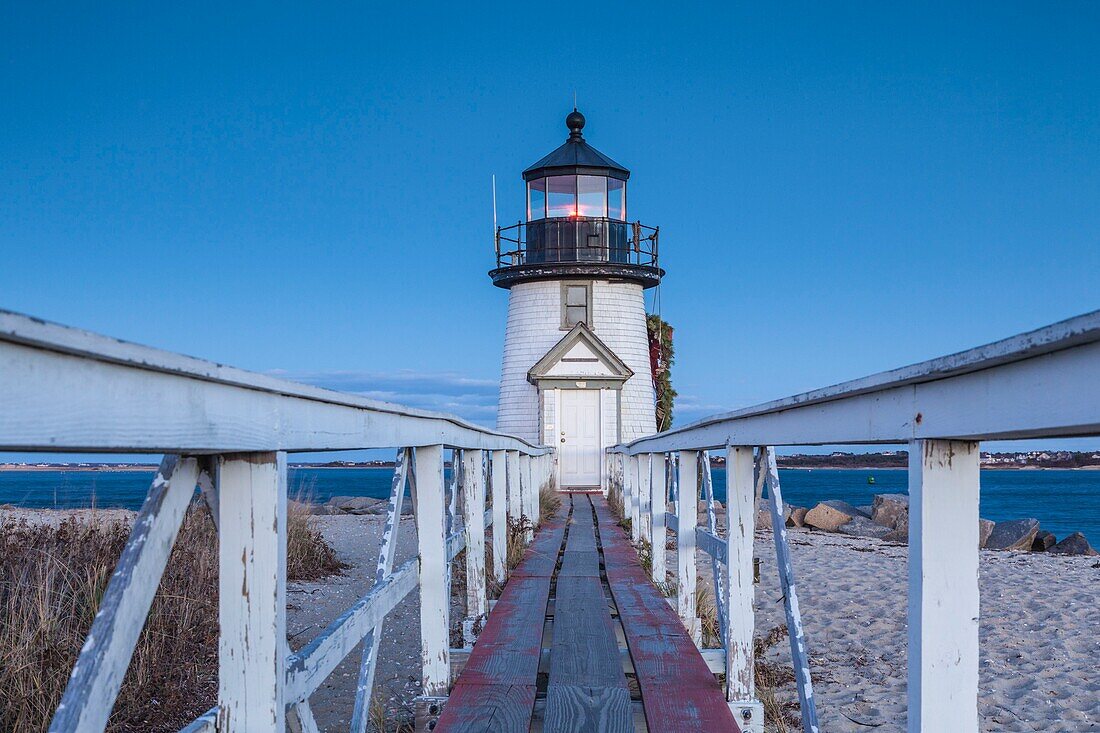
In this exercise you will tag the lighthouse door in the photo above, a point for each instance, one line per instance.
(579, 446)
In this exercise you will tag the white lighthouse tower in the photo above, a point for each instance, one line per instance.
(576, 371)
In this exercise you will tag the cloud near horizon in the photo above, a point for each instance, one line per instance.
(472, 398)
(468, 397)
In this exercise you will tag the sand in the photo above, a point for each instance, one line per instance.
(312, 606)
(1039, 634)
(1040, 631)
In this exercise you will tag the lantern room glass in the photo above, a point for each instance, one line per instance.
(560, 197)
(616, 199)
(592, 196)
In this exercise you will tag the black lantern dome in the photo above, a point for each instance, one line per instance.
(576, 221)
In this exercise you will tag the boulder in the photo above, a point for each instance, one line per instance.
(888, 508)
(985, 528)
(865, 509)
(1074, 544)
(763, 519)
(1043, 541)
(358, 504)
(897, 535)
(797, 517)
(864, 527)
(1016, 534)
(719, 510)
(831, 515)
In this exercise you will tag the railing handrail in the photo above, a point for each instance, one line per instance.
(46, 337)
(1080, 331)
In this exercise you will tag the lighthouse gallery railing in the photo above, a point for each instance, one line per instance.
(581, 239)
(228, 432)
(1042, 384)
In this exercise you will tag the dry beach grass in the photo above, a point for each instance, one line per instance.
(1040, 635)
(53, 573)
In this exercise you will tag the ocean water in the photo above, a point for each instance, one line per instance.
(1062, 501)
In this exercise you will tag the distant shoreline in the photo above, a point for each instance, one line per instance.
(152, 467)
(906, 468)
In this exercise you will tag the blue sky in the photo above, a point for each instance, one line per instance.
(841, 189)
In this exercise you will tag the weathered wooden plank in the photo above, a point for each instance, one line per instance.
(634, 471)
(581, 709)
(711, 544)
(738, 571)
(534, 466)
(943, 586)
(496, 690)
(434, 601)
(584, 650)
(509, 646)
(498, 479)
(688, 495)
(101, 666)
(542, 555)
(360, 716)
(527, 495)
(800, 656)
(645, 497)
(473, 488)
(70, 390)
(491, 708)
(658, 504)
(252, 592)
(587, 689)
(515, 497)
(679, 693)
(1033, 385)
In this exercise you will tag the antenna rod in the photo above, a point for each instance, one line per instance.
(494, 203)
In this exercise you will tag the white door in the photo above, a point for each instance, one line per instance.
(579, 446)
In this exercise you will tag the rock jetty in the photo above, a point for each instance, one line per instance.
(887, 518)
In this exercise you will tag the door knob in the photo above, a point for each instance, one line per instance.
(563, 440)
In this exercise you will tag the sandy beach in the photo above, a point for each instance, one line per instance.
(1040, 633)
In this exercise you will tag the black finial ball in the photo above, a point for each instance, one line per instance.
(575, 122)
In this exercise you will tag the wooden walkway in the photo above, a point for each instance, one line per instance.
(577, 623)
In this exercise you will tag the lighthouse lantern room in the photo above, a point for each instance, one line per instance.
(576, 372)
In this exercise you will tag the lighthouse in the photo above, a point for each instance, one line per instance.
(576, 371)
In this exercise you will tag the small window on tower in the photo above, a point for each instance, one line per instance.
(576, 304)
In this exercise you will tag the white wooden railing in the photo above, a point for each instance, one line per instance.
(228, 432)
(1041, 384)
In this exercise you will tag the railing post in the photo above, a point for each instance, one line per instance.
(658, 505)
(252, 592)
(435, 613)
(645, 498)
(534, 467)
(515, 496)
(499, 484)
(525, 494)
(473, 520)
(634, 508)
(686, 522)
(943, 585)
(740, 620)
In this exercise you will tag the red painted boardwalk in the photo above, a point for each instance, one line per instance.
(585, 562)
(679, 692)
(496, 690)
